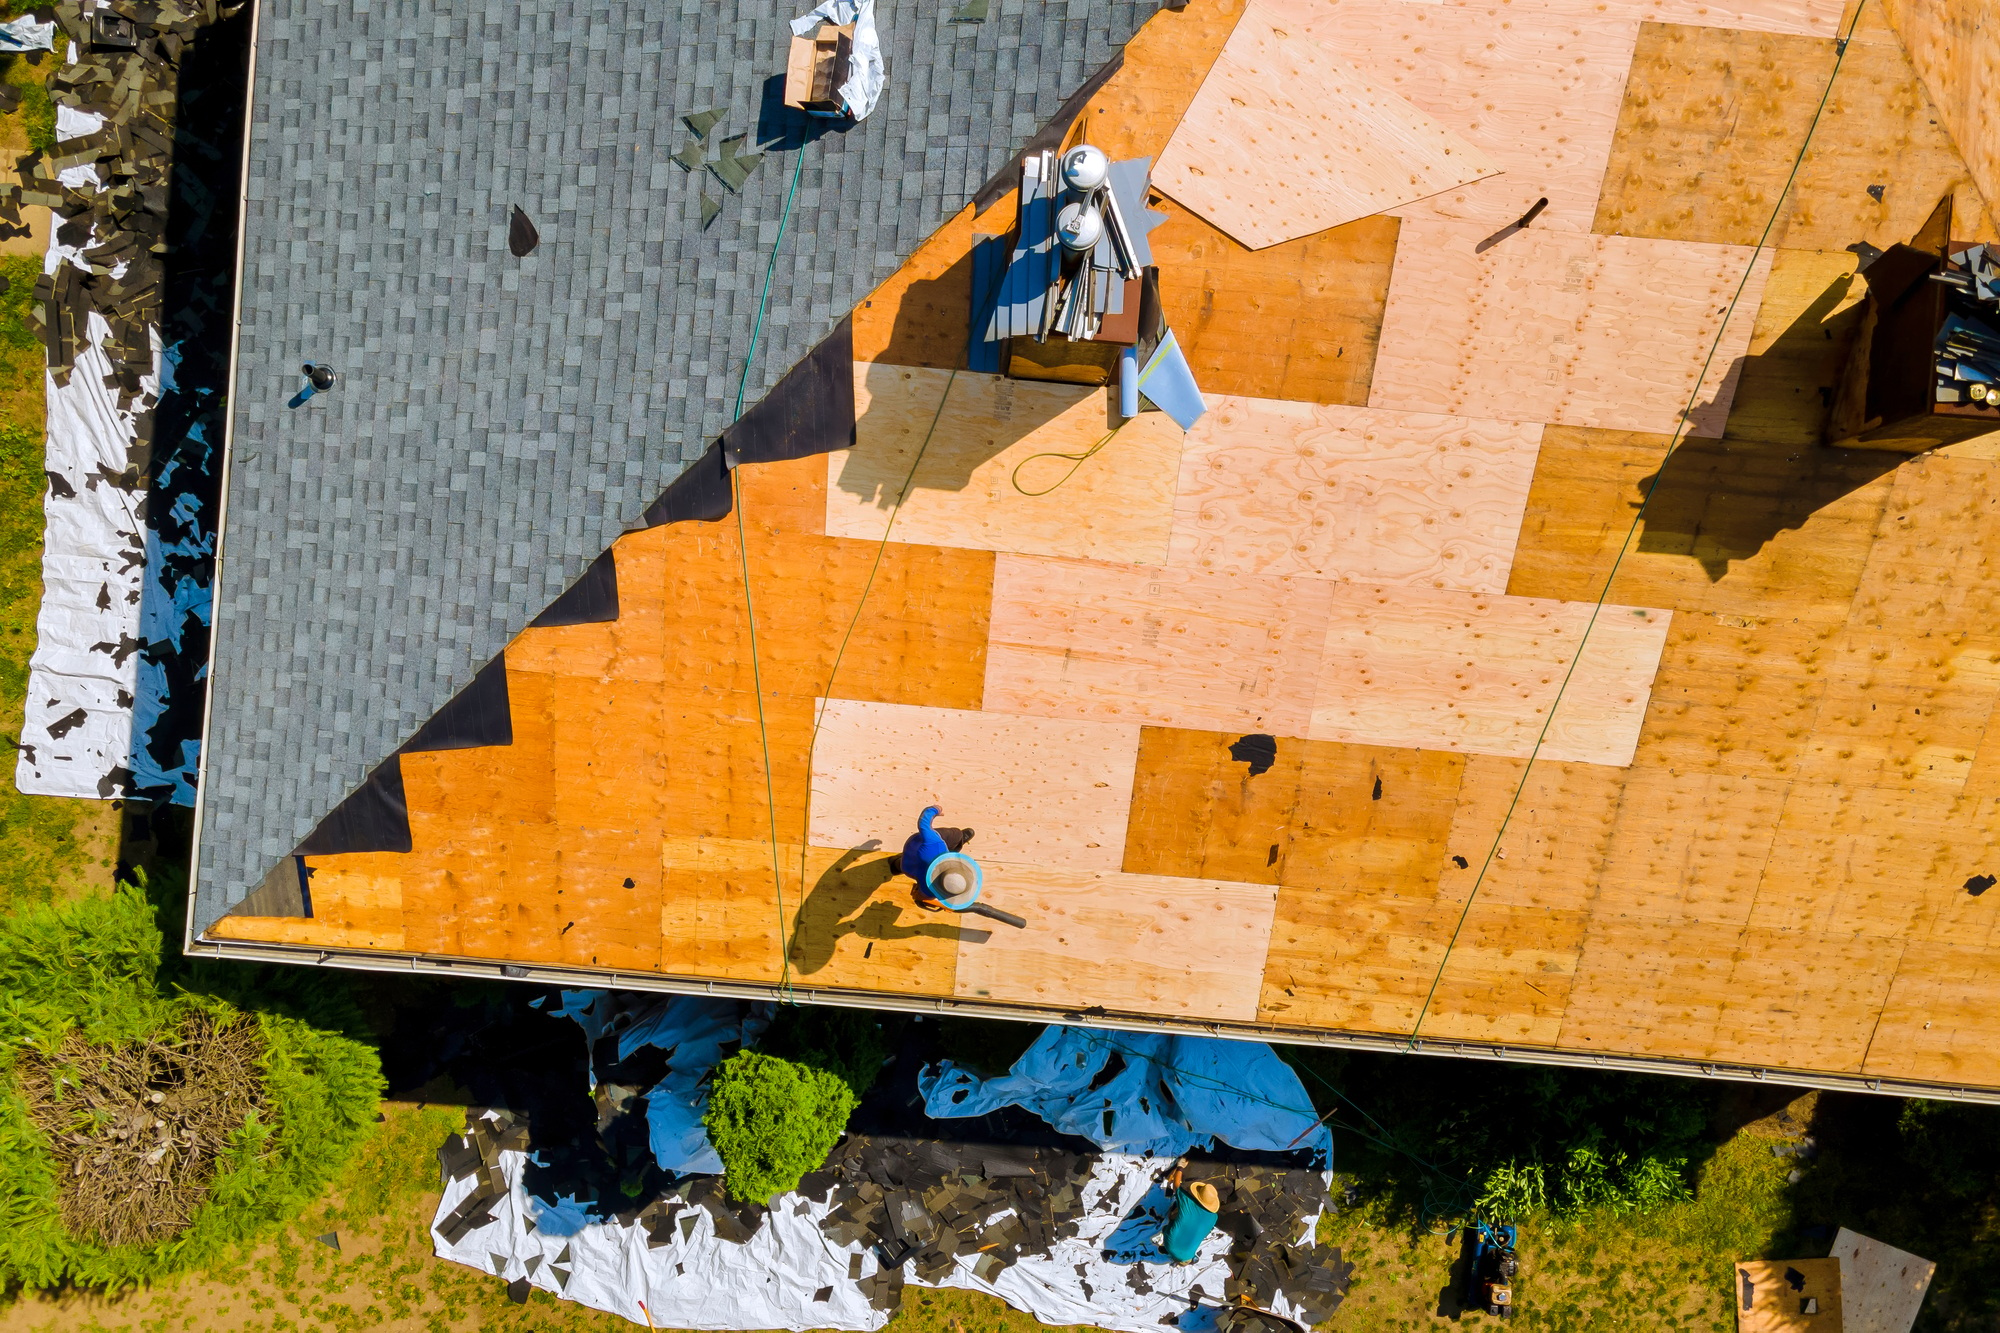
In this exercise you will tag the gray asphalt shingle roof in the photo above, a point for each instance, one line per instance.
(500, 421)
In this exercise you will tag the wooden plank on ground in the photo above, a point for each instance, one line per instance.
(1172, 647)
(1604, 331)
(1714, 120)
(1133, 943)
(1286, 139)
(1358, 494)
(1034, 790)
(1433, 668)
(971, 438)
(1537, 92)
(1297, 321)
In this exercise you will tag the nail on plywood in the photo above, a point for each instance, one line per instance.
(1297, 321)
(1035, 790)
(1537, 92)
(1172, 647)
(1714, 120)
(1137, 943)
(966, 436)
(1359, 494)
(1553, 326)
(1286, 139)
(1433, 668)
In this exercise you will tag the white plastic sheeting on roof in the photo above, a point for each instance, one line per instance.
(1141, 1092)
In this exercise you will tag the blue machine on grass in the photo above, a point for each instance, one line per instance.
(1489, 1278)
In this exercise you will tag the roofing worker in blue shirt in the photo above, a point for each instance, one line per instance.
(925, 846)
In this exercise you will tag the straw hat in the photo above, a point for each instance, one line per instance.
(1205, 1195)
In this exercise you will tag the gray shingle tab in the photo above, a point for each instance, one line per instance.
(500, 421)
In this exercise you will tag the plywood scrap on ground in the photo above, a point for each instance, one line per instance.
(1538, 92)
(1881, 1287)
(1566, 328)
(950, 460)
(1286, 139)
(1360, 494)
(1788, 1296)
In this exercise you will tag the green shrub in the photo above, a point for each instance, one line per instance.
(772, 1121)
(91, 965)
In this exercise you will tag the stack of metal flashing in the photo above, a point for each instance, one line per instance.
(1968, 344)
(1081, 244)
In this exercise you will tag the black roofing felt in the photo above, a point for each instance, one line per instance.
(500, 420)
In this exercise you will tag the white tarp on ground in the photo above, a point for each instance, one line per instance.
(790, 1275)
(94, 691)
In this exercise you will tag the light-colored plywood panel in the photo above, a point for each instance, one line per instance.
(1035, 790)
(1689, 847)
(1714, 120)
(1733, 527)
(1353, 493)
(1735, 696)
(1145, 943)
(1809, 18)
(1935, 562)
(1604, 331)
(357, 903)
(948, 459)
(1537, 92)
(1431, 668)
(1286, 139)
(1297, 321)
(1199, 812)
(1171, 647)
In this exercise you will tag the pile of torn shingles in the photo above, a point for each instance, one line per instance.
(134, 245)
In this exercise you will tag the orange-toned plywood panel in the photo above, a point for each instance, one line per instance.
(950, 460)
(1874, 861)
(1735, 695)
(1354, 493)
(1298, 321)
(1714, 120)
(1537, 92)
(1201, 812)
(1935, 563)
(1286, 139)
(1034, 790)
(1688, 847)
(1134, 943)
(1563, 327)
(1372, 818)
(1903, 710)
(1739, 528)
(1172, 647)
(357, 903)
(1532, 836)
(1938, 1020)
(1438, 669)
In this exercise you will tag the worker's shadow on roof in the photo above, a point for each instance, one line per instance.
(839, 906)
(1722, 501)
